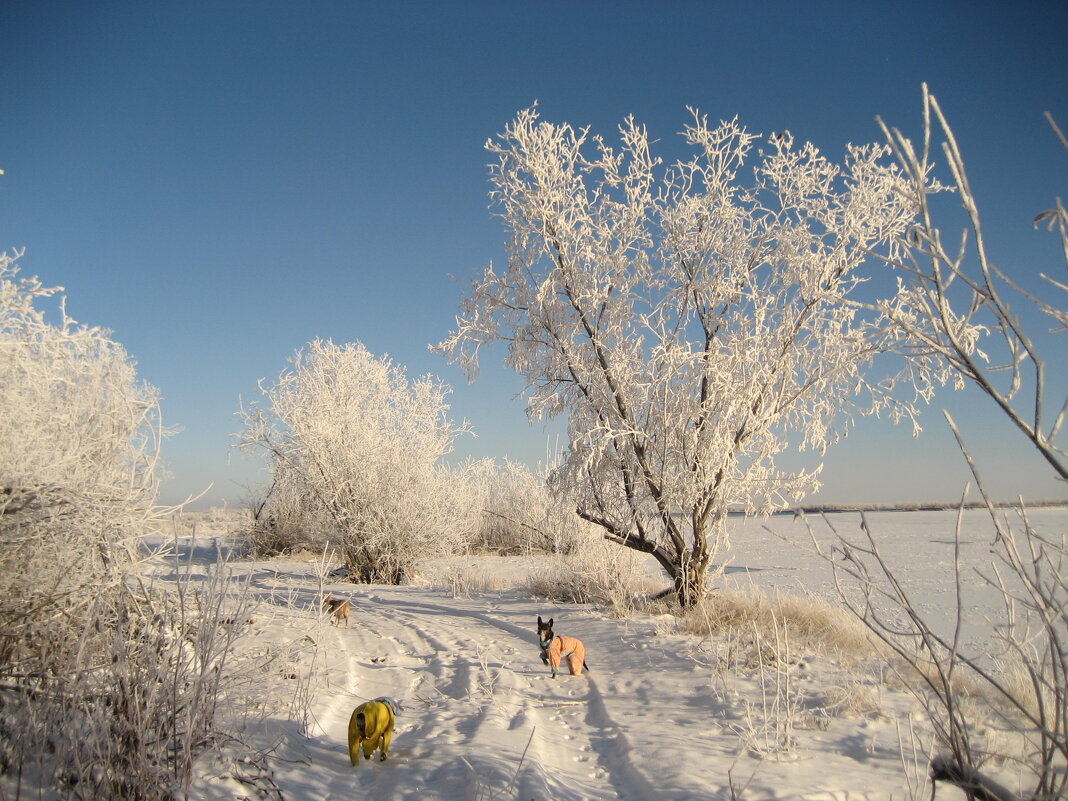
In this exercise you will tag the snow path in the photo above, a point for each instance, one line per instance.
(470, 676)
(661, 716)
(476, 697)
(645, 724)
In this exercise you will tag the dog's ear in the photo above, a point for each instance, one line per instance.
(549, 625)
(540, 624)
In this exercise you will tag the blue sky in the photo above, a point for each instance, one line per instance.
(219, 182)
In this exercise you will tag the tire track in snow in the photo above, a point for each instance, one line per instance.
(346, 656)
(441, 685)
(615, 750)
(453, 673)
(479, 712)
(605, 745)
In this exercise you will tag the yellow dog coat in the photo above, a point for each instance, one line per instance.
(371, 726)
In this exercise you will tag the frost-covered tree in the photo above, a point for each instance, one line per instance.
(365, 445)
(690, 323)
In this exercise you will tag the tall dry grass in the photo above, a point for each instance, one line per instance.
(122, 696)
(812, 622)
(596, 573)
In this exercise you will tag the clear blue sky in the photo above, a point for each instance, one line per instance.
(219, 182)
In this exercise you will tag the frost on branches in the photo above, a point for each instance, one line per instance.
(362, 445)
(691, 324)
(79, 444)
(954, 297)
(85, 648)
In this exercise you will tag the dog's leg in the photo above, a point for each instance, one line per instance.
(577, 659)
(355, 737)
(386, 737)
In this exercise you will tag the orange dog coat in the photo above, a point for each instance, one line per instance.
(574, 650)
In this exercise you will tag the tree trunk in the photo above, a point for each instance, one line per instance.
(690, 583)
(685, 565)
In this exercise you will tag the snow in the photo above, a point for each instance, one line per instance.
(662, 715)
(919, 546)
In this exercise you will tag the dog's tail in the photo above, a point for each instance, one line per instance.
(361, 724)
(586, 667)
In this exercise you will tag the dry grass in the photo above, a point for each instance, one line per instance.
(916, 673)
(812, 622)
(601, 574)
(1030, 697)
(463, 580)
(853, 700)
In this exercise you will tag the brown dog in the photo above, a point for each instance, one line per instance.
(338, 609)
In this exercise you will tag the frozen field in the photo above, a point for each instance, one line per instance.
(919, 546)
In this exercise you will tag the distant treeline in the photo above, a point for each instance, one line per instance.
(911, 507)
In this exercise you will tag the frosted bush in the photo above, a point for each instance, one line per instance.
(79, 443)
(363, 447)
(108, 686)
(522, 514)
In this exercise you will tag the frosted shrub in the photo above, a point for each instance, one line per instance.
(521, 514)
(691, 321)
(595, 573)
(106, 689)
(365, 446)
(283, 520)
(79, 439)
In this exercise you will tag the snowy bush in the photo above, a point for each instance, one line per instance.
(106, 689)
(595, 573)
(283, 519)
(79, 440)
(521, 514)
(363, 446)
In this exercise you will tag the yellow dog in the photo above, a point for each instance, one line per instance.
(371, 726)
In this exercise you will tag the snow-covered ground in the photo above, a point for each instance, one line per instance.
(662, 715)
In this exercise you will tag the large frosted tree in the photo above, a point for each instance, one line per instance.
(691, 324)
